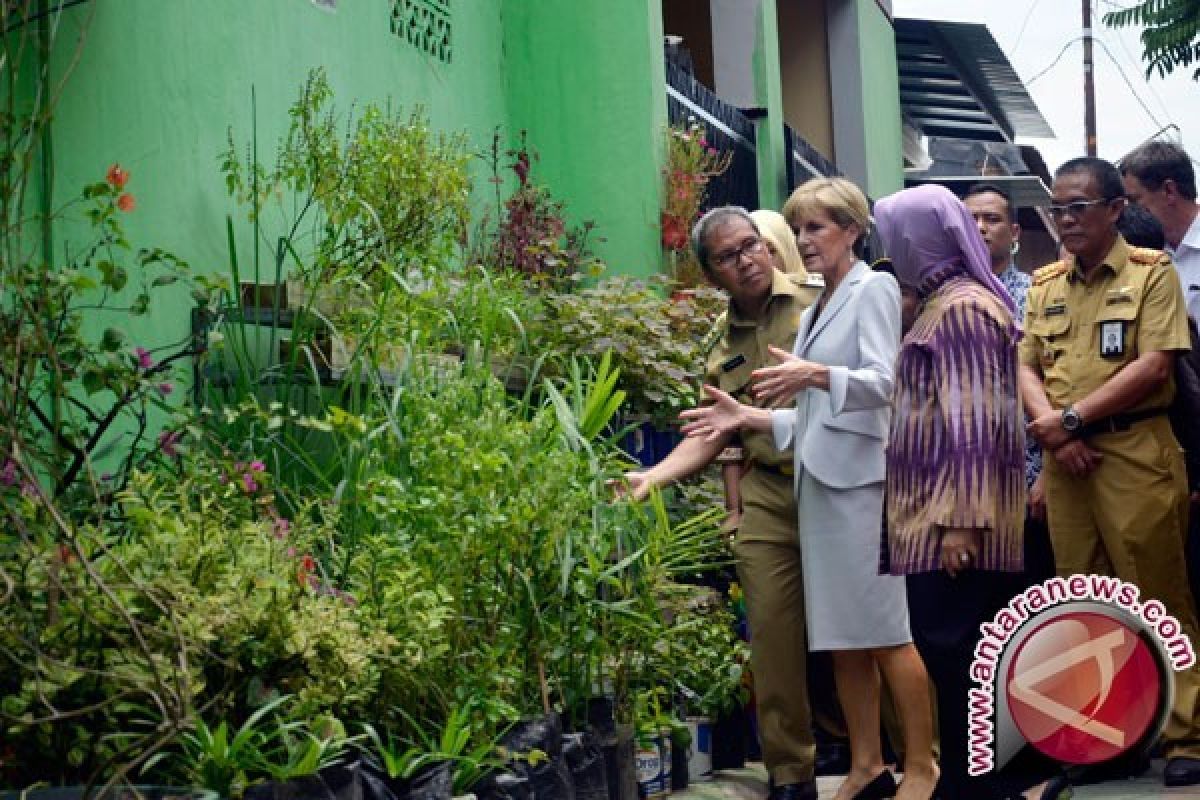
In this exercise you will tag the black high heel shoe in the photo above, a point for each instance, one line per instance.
(881, 787)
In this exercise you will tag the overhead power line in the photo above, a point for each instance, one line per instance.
(1129, 84)
(1057, 58)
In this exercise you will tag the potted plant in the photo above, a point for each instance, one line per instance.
(691, 163)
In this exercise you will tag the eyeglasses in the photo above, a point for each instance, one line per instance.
(1076, 208)
(731, 257)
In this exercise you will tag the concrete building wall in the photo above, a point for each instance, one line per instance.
(804, 72)
(864, 84)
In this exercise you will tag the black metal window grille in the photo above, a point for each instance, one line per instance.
(726, 128)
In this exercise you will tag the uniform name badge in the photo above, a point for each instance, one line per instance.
(1112, 339)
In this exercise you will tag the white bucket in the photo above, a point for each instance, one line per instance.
(648, 760)
(700, 750)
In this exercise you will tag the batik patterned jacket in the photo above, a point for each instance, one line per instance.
(956, 451)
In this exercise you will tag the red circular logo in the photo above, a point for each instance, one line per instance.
(1083, 688)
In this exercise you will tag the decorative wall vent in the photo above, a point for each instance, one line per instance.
(425, 24)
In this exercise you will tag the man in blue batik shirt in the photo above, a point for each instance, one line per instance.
(993, 212)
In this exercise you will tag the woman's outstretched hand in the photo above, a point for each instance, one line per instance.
(710, 423)
(780, 383)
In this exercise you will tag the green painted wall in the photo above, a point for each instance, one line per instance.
(771, 150)
(160, 84)
(881, 101)
(586, 79)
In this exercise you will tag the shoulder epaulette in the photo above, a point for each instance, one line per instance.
(1148, 255)
(1050, 272)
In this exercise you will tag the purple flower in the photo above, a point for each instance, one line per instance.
(257, 466)
(165, 388)
(167, 441)
(143, 357)
(249, 483)
(8, 475)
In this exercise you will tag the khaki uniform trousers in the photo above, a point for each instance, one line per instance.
(767, 550)
(1128, 518)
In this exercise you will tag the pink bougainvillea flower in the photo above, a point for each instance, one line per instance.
(145, 361)
(282, 527)
(674, 233)
(126, 202)
(165, 388)
(117, 177)
(257, 466)
(8, 475)
(249, 484)
(167, 441)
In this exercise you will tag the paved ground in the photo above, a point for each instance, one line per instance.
(751, 784)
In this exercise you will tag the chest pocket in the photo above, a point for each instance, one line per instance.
(737, 382)
(1048, 328)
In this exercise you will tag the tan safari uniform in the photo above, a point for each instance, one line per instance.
(767, 547)
(1128, 517)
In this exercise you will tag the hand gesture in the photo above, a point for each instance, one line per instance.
(1048, 431)
(780, 383)
(960, 550)
(632, 486)
(712, 422)
(1077, 458)
(1037, 499)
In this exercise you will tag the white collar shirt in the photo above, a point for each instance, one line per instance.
(1187, 262)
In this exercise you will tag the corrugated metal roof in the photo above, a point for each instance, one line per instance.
(956, 81)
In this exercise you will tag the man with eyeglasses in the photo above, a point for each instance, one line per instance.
(1102, 330)
(764, 311)
(1160, 178)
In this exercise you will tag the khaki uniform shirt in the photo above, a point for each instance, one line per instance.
(742, 348)
(1080, 334)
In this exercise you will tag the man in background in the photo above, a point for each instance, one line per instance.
(1159, 177)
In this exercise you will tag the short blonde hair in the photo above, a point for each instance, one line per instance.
(839, 198)
(773, 227)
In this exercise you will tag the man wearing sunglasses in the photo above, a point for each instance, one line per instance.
(1102, 330)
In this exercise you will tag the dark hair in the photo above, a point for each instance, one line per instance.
(1153, 163)
(1103, 172)
(711, 219)
(884, 264)
(1140, 228)
(991, 188)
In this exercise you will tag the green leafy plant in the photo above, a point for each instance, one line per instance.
(658, 344)
(1170, 29)
(532, 235)
(220, 759)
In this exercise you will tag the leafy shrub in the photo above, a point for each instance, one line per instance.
(659, 344)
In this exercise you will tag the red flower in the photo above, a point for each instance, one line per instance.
(304, 572)
(117, 177)
(126, 202)
(674, 232)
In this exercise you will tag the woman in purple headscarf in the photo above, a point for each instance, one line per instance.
(955, 458)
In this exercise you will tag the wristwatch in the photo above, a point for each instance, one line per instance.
(1071, 421)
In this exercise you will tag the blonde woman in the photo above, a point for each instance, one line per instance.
(839, 376)
(781, 242)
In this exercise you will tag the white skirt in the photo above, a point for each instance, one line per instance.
(849, 605)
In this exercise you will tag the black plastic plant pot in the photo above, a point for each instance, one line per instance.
(125, 792)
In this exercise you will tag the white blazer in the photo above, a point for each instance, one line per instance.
(838, 436)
